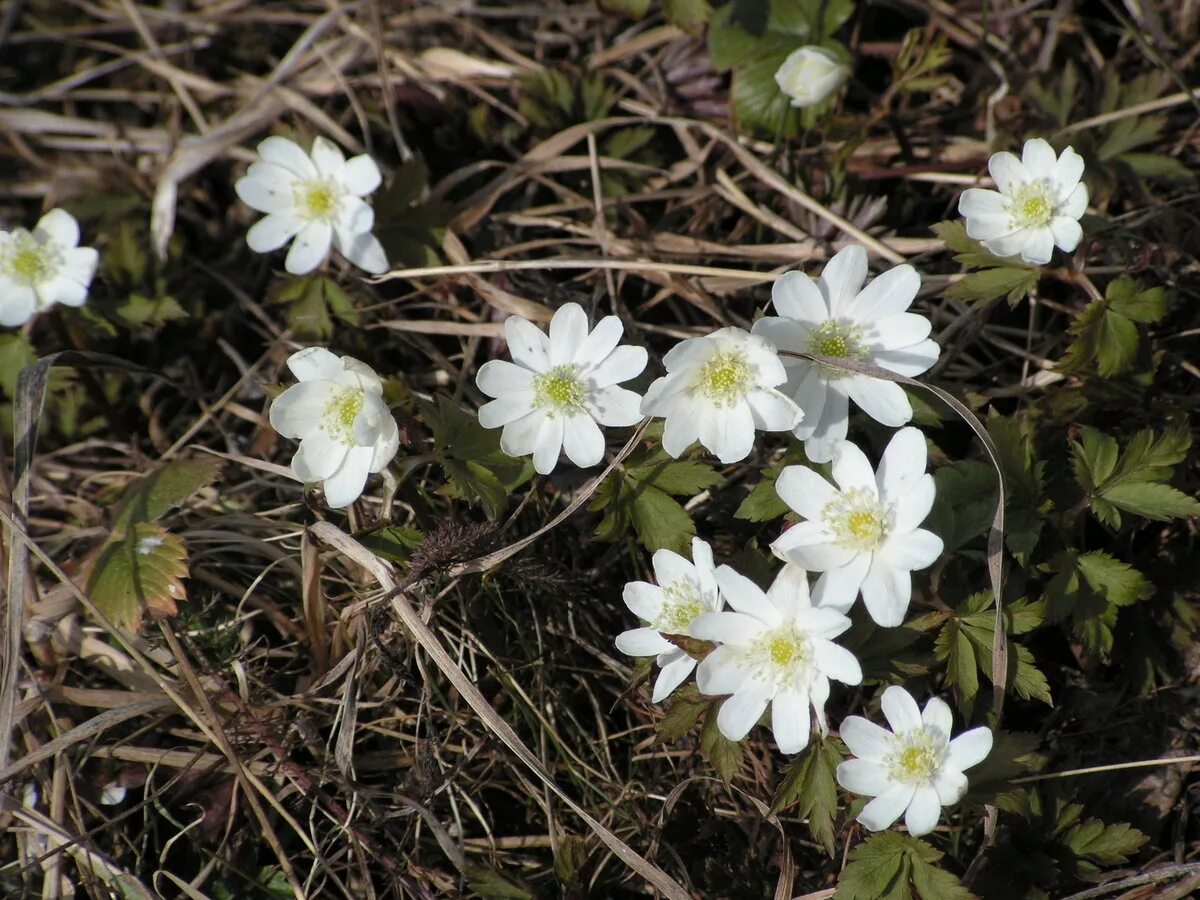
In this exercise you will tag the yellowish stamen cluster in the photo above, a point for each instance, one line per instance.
(560, 391)
(781, 654)
(341, 412)
(725, 378)
(916, 760)
(1032, 205)
(857, 519)
(681, 605)
(318, 200)
(26, 261)
(838, 340)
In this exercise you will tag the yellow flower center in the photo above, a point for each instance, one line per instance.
(917, 761)
(838, 340)
(560, 391)
(341, 413)
(857, 519)
(26, 261)
(782, 655)
(318, 200)
(1032, 205)
(783, 650)
(682, 605)
(725, 378)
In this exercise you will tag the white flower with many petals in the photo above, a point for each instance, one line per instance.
(810, 75)
(863, 534)
(684, 591)
(42, 267)
(338, 414)
(1037, 207)
(559, 390)
(837, 317)
(313, 201)
(913, 770)
(776, 649)
(719, 388)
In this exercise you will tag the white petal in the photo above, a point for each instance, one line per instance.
(548, 446)
(267, 188)
(300, 409)
(273, 231)
(722, 672)
(1067, 233)
(521, 436)
(991, 227)
(903, 464)
(733, 628)
(901, 710)
(913, 551)
(673, 674)
(670, 567)
(327, 156)
(772, 411)
(883, 401)
(791, 722)
(861, 776)
(318, 457)
(1009, 244)
(309, 248)
(910, 361)
(346, 485)
(797, 296)
(728, 432)
(937, 715)
(568, 331)
(360, 176)
(1039, 246)
(60, 226)
(1076, 203)
(1067, 172)
(315, 363)
(80, 264)
(814, 556)
(355, 217)
(745, 596)
(615, 407)
(582, 440)
(687, 353)
(819, 446)
(865, 739)
(789, 591)
(851, 469)
(806, 492)
(885, 809)
(802, 534)
(499, 378)
(66, 291)
(838, 588)
(764, 358)
(743, 709)
(901, 330)
(891, 293)
(643, 642)
(507, 409)
(364, 250)
(645, 600)
(619, 365)
(837, 662)
(784, 334)
(969, 749)
(950, 787)
(843, 277)
(886, 592)
(600, 342)
(1039, 159)
(981, 202)
(913, 506)
(666, 395)
(818, 697)
(808, 388)
(527, 344)
(285, 153)
(387, 446)
(1006, 170)
(923, 811)
(17, 303)
(681, 428)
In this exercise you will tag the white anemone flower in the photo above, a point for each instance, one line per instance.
(43, 267)
(863, 534)
(913, 770)
(344, 426)
(1037, 207)
(684, 591)
(559, 390)
(810, 75)
(837, 317)
(776, 649)
(313, 201)
(719, 388)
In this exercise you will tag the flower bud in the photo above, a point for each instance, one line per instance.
(810, 75)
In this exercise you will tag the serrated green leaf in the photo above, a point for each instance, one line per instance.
(141, 570)
(991, 284)
(1157, 502)
(965, 502)
(1127, 297)
(1158, 165)
(810, 784)
(492, 884)
(1104, 337)
(683, 712)
(394, 542)
(763, 503)
(1132, 482)
(688, 477)
(150, 312)
(724, 755)
(892, 865)
(660, 521)
(153, 496)
(1089, 588)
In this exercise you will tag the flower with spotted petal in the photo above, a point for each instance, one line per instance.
(338, 414)
(718, 389)
(684, 591)
(43, 267)
(862, 535)
(559, 390)
(913, 770)
(775, 649)
(838, 318)
(313, 201)
(1037, 208)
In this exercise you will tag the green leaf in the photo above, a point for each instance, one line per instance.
(1132, 482)
(394, 542)
(634, 9)
(965, 502)
(1089, 588)
(688, 15)
(150, 312)
(1158, 165)
(675, 476)
(1127, 298)
(141, 570)
(1105, 331)
(971, 253)
(310, 301)
(660, 521)
(683, 712)
(810, 784)
(410, 229)
(570, 857)
(1024, 509)
(153, 496)
(763, 503)
(758, 103)
(990, 284)
(724, 755)
(15, 354)
(891, 865)
(1157, 502)
(492, 884)
(1107, 845)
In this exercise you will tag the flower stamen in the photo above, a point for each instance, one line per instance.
(341, 412)
(1032, 205)
(26, 261)
(917, 759)
(681, 605)
(318, 200)
(857, 519)
(725, 378)
(560, 391)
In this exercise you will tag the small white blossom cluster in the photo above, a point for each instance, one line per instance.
(43, 267)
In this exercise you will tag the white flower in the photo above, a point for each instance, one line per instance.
(718, 389)
(317, 200)
(777, 649)
(684, 591)
(43, 267)
(1037, 207)
(863, 534)
(810, 75)
(338, 413)
(837, 317)
(559, 390)
(913, 770)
